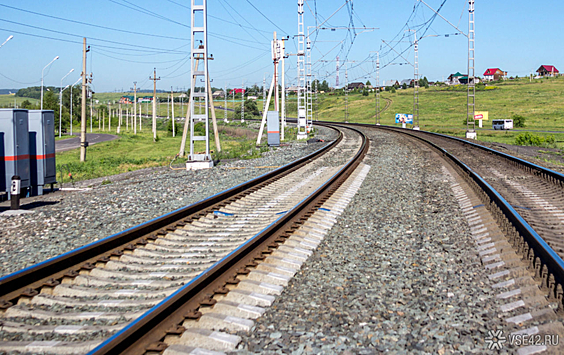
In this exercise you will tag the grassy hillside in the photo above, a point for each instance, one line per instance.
(443, 109)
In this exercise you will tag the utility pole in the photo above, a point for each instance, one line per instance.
(154, 78)
(243, 101)
(415, 81)
(471, 98)
(83, 142)
(91, 100)
(199, 52)
(264, 108)
(377, 88)
(119, 118)
(346, 95)
(134, 107)
(302, 114)
(283, 115)
(225, 104)
(172, 99)
(140, 117)
(187, 119)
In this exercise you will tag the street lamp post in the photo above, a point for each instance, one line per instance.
(61, 109)
(76, 82)
(51, 62)
(60, 100)
(6, 41)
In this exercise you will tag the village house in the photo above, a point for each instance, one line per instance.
(457, 79)
(357, 85)
(494, 74)
(218, 93)
(237, 91)
(390, 83)
(547, 70)
(407, 82)
(128, 99)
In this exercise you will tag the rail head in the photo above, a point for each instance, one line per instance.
(134, 338)
(33, 277)
(545, 259)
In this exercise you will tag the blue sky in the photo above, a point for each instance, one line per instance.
(516, 36)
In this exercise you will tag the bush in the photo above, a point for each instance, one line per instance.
(530, 139)
(177, 126)
(518, 121)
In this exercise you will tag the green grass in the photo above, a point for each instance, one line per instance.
(8, 100)
(443, 109)
(132, 152)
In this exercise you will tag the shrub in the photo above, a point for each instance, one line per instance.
(518, 121)
(535, 140)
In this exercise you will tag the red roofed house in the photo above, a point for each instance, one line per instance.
(237, 91)
(494, 74)
(547, 70)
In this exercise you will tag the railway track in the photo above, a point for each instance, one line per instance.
(139, 287)
(515, 212)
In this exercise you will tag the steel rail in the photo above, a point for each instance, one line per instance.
(148, 331)
(28, 281)
(543, 258)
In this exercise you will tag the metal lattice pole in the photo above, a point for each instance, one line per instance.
(471, 101)
(309, 108)
(346, 95)
(302, 115)
(415, 81)
(316, 102)
(199, 40)
(225, 104)
(243, 101)
(377, 88)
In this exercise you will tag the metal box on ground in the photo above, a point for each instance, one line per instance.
(14, 128)
(43, 168)
(273, 128)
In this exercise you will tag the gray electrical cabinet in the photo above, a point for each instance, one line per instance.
(15, 137)
(273, 128)
(43, 169)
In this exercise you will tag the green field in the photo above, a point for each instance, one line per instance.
(443, 109)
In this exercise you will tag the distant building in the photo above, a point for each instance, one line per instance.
(454, 79)
(407, 82)
(390, 83)
(353, 86)
(547, 70)
(128, 99)
(218, 93)
(145, 99)
(494, 74)
(237, 91)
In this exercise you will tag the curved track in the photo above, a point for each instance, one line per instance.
(167, 267)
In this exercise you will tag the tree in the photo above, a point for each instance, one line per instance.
(368, 82)
(26, 104)
(324, 86)
(404, 86)
(250, 109)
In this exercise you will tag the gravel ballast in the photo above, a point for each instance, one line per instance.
(67, 220)
(398, 272)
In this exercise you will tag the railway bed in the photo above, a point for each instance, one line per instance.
(420, 260)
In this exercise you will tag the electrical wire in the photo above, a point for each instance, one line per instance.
(263, 15)
(94, 25)
(160, 50)
(137, 8)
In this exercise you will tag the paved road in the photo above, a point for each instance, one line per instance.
(74, 142)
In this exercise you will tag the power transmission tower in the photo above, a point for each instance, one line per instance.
(199, 52)
(302, 114)
(471, 99)
(155, 79)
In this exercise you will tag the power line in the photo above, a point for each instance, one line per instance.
(147, 12)
(263, 15)
(94, 25)
(92, 38)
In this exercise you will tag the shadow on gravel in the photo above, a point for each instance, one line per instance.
(31, 205)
